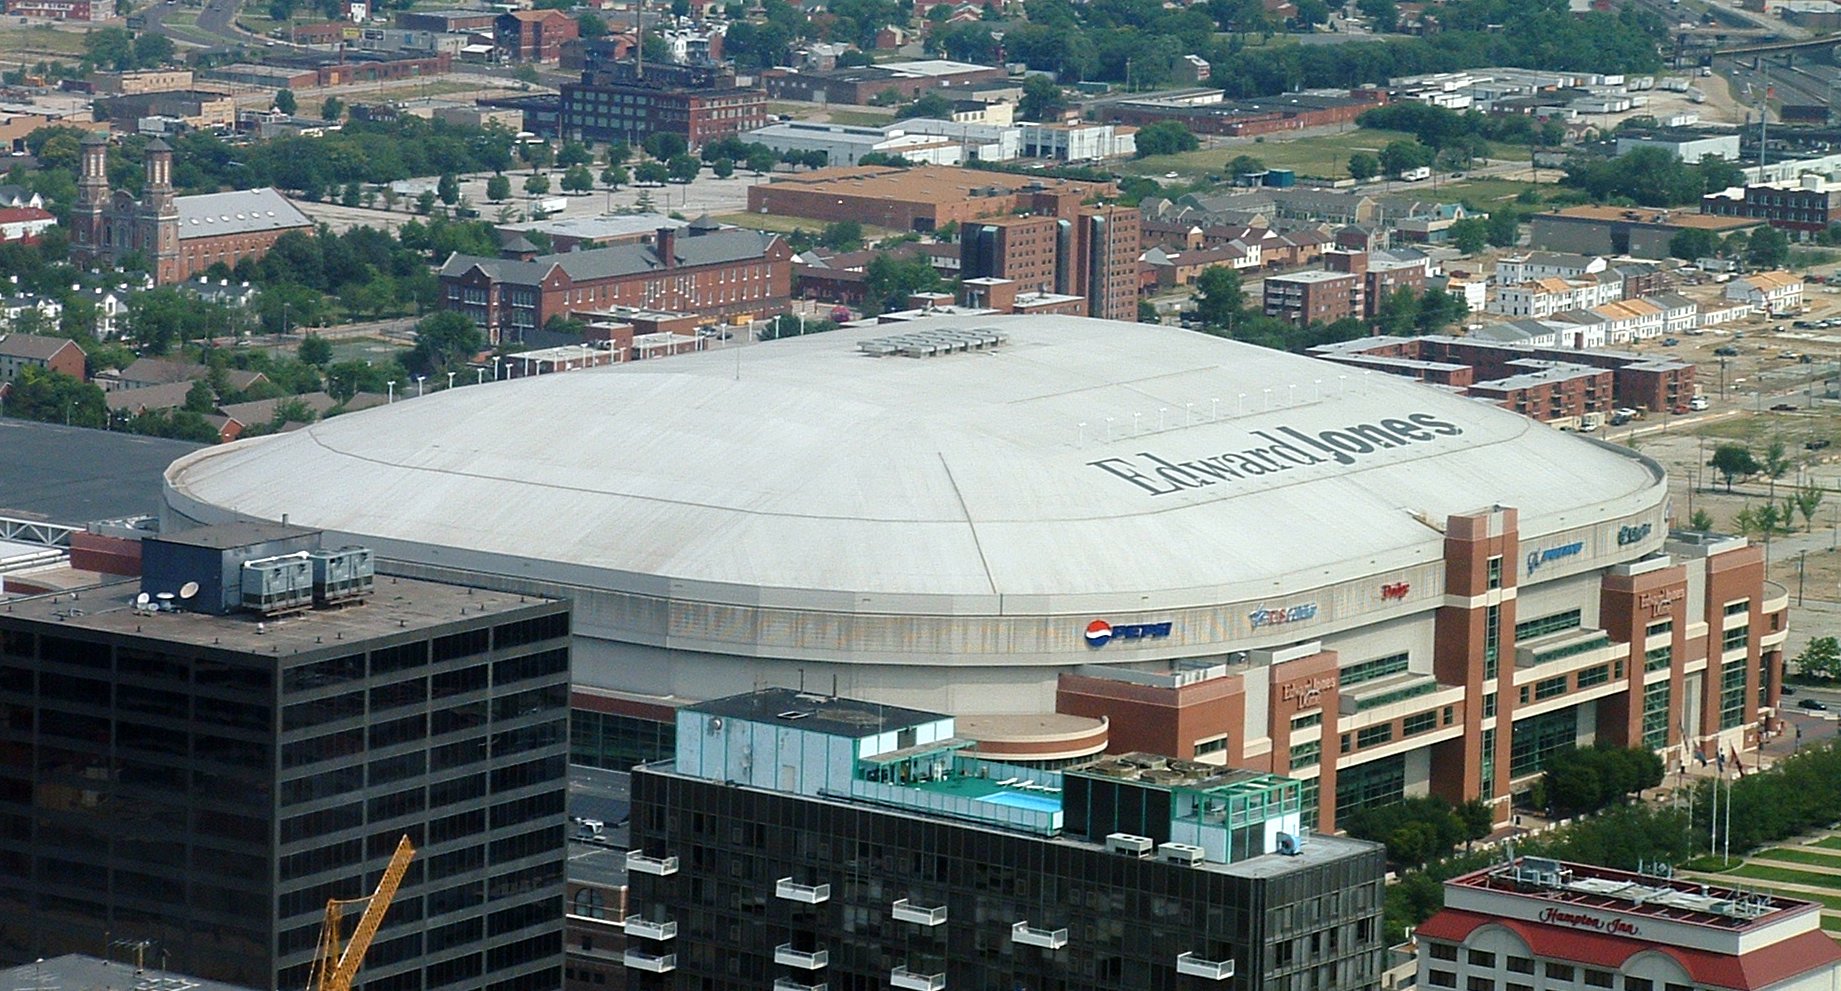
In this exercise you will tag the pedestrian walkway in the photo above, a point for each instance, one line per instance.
(1809, 868)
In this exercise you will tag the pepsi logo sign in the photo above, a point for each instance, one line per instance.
(1100, 632)
(1395, 590)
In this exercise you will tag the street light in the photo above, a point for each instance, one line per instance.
(392, 385)
(419, 381)
(450, 380)
(479, 375)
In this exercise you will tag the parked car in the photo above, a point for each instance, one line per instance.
(1619, 419)
(1699, 403)
(1788, 690)
(1783, 407)
(1819, 444)
(1790, 355)
(1813, 705)
(1726, 351)
(1669, 342)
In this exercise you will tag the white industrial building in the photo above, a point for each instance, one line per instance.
(846, 144)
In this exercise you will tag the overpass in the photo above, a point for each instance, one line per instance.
(1782, 47)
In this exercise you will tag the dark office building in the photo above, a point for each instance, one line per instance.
(203, 760)
(621, 102)
(801, 841)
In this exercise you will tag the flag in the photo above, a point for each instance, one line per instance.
(1700, 754)
(1735, 760)
(1719, 756)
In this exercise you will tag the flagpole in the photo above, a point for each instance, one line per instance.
(1726, 840)
(1713, 821)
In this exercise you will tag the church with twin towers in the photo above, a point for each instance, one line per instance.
(172, 237)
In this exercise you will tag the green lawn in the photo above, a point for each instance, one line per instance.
(1765, 872)
(1809, 857)
(39, 40)
(861, 118)
(365, 349)
(786, 225)
(1832, 923)
(1324, 156)
(1831, 842)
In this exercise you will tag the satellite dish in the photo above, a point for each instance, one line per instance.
(188, 590)
(141, 600)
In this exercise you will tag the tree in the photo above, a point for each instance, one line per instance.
(498, 189)
(1821, 658)
(1769, 248)
(1403, 156)
(1701, 521)
(615, 176)
(285, 102)
(448, 189)
(1310, 13)
(1364, 166)
(574, 153)
(1504, 228)
(653, 173)
(1397, 312)
(1383, 15)
(199, 398)
(589, 24)
(1219, 297)
(683, 167)
(1733, 460)
(1147, 312)
(1438, 311)
(578, 179)
(425, 202)
(1776, 462)
(617, 153)
(663, 145)
(315, 350)
(844, 235)
(1469, 235)
(1477, 819)
(537, 185)
(1807, 500)
(444, 341)
(722, 168)
(760, 160)
(1165, 137)
(1693, 243)
(1244, 164)
(1042, 100)
(930, 105)
(54, 397)
(526, 73)
(333, 109)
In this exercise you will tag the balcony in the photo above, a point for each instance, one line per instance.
(1048, 939)
(638, 863)
(641, 960)
(902, 977)
(786, 956)
(811, 894)
(1214, 970)
(787, 984)
(647, 929)
(907, 912)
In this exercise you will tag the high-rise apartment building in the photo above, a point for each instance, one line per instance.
(804, 841)
(203, 760)
(1067, 248)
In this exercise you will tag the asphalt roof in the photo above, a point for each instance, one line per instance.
(808, 468)
(816, 712)
(241, 211)
(713, 248)
(73, 475)
(77, 972)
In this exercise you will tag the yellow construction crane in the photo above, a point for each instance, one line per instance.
(333, 968)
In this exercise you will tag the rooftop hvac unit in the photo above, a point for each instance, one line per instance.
(1180, 853)
(277, 584)
(342, 575)
(1131, 846)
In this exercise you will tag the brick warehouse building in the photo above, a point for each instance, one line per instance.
(179, 236)
(715, 274)
(923, 198)
(1637, 380)
(619, 101)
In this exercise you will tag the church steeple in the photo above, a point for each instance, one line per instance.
(158, 222)
(92, 198)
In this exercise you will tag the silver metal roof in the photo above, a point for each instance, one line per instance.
(241, 211)
(806, 470)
